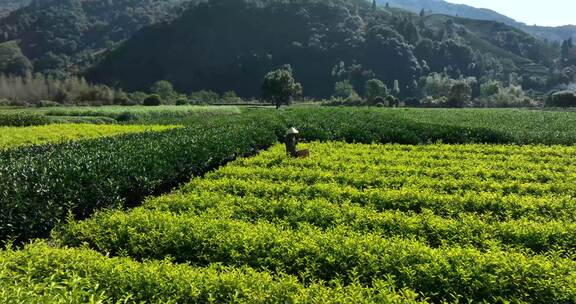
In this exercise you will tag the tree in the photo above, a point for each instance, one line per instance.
(164, 89)
(460, 94)
(231, 97)
(153, 100)
(562, 99)
(280, 87)
(490, 88)
(396, 88)
(343, 89)
(375, 88)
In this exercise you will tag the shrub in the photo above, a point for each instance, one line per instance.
(165, 90)
(431, 102)
(564, 99)
(495, 96)
(121, 98)
(182, 102)
(152, 100)
(460, 94)
(127, 116)
(22, 119)
(380, 102)
(138, 97)
(231, 97)
(344, 89)
(204, 97)
(47, 104)
(374, 89)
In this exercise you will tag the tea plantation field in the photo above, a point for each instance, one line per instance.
(392, 206)
(11, 137)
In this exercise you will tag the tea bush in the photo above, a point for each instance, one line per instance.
(480, 223)
(83, 276)
(11, 137)
(42, 184)
(20, 119)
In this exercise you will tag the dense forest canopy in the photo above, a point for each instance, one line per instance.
(7, 6)
(324, 42)
(57, 35)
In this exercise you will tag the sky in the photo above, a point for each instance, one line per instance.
(547, 13)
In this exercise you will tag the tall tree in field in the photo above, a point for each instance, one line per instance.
(460, 94)
(164, 89)
(280, 87)
(396, 88)
(375, 88)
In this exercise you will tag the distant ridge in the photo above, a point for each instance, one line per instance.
(442, 7)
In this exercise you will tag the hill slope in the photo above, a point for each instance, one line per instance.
(7, 6)
(56, 34)
(324, 41)
(466, 11)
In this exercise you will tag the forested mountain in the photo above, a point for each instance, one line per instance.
(230, 44)
(559, 34)
(7, 6)
(55, 35)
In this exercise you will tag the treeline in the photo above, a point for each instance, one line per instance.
(439, 90)
(39, 90)
(44, 91)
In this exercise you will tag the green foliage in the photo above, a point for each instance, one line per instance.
(56, 34)
(11, 137)
(336, 39)
(141, 114)
(374, 89)
(37, 89)
(484, 230)
(63, 275)
(280, 87)
(490, 88)
(8, 6)
(12, 61)
(396, 88)
(22, 119)
(164, 89)
(343, 89)
(439, 90)
(417, 126)
(204, 97)
(562, 99)
(385, 126)
(182, 102)
(87, 175)
(152, 100)
(493, 95)
(138, 97)
(460, 94)
(231, 97)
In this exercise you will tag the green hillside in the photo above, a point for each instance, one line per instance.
(59, 35)
(324, 41)
(559, 33)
